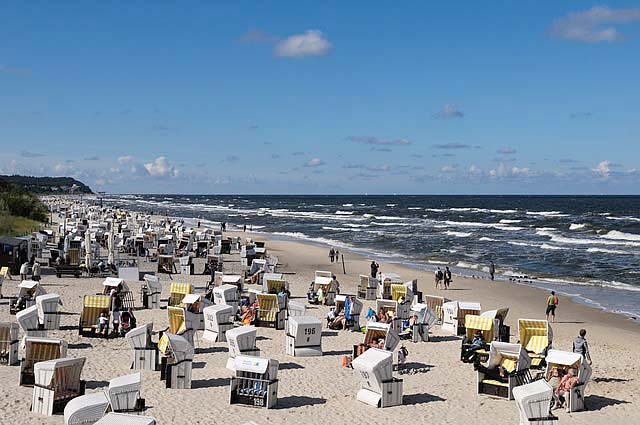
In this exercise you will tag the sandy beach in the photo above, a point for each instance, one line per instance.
(319, 390)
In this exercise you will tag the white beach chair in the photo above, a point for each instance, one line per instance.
(56, 383)
(86, 409)
(378, 387)
(502, 330)
(304, 336)
(324, 280)
(29, 323)
(125, 419)
(226, 294)
(194, 305)
(29, 290)
(218, 319)
(124, 393)
(145, 352)
(367, 287)
(384, 284)
(374, 333)
(151, 290)
(436, 304)
(241, 342)
(566, 360)
(9, 343)
(507, 368)
(255, 382)
(182, 322)
(353, 319)
(48, 310)
(425, 318)
(454, 313)
(534, 403)
(176, 363)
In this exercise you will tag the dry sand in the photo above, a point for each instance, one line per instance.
(319, 390)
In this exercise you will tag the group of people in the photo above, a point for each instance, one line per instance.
(36, 270)
(334, 254)
(443, 278)
(122, 322)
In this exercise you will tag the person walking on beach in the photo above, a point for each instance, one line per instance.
(438, 277)
(36, 272)
(374, 269)
(447, 277)
(332, 254)
(580, 345)
(244, 228)
(492, 270)
(552, 303)
(24, 270)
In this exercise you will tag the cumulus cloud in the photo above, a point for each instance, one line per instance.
(595, 25)
(507, 151)
(160, 167)
(449, 111)
(448, 168)
(474, 170)
(309, 43)
(378, 141)
(452, 146)
(603, 169)
(314, 162)
(124, 159)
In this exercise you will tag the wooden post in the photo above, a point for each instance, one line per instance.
(344, 271)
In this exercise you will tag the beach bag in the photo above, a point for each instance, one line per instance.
(555, 300)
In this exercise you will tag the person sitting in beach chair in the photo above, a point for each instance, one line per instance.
(567, 382)
(103, 323)
(247, 315)
(477, 343)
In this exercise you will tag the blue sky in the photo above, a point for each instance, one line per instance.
(323, 97)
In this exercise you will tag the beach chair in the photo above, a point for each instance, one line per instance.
(255, 382)
(125, 419)
(324, 280)
(274, 286)
(56, 383)
(29, 290)
(304, 336)
(30, 323)
(534, 403)
(506, 368)
(177, 291)
(404, 290)
(231, 279)
(36, 350)
(179, 323)
(378, 387)
(425, 318)
(86, 409)
(436, 304)
(226, 295)
(269, 314)
(488, 327)
(124, 294)
(218, 319)
(5, 273)
(565, 360)
(454, 313)
(124, 393)
(176, 361)
(145, 351)
(502, 330)
(399, 311)
(9, 343)
(384, 285)
(48, 315)
(151, 290)
(367, 287)
(92, 307)
(353, 315)
(374, 333)
(241, 342)
(194, 305)
(536, 337)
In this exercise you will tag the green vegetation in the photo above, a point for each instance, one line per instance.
(47, 185)
(11, 225)
(20, 211)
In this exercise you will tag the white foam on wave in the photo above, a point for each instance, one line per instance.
(344, 212)
(458, 234)
(577, 226)
(552, 247)
(507, 221)
(414, 208)
(347, 205)
(547, 213)
(390, 224)
(554, 237)
(388, 217)
(616, 235)
(623, 218)
(480, 224)
(609, 251)
(486, 239)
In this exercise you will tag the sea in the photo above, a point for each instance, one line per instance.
(585, 247)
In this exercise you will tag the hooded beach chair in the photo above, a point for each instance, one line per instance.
(36, 350)
(9, 343)
(241, 342)
(86, 409)
(536, 337)
(425, 318)
(124, 294)
(151, 290)
(404, 290)
(294, 308)
(378, 387)
(177, 291)
(255, 382)
(92, 308)
(507, 368)
(454, 313)
(125, 419)
(181, 322)
(145, 351)
(566, 360)
(376, 332)
(367, 287)
(502, 330)
(487, 326)
(29, 290)
(534, 403)
(56, 383)
(399, 311)
(323, 280)
(194, 305)
(436, 304)
(384, 284)
(269, 314)
(226, 294)
(231, 279)
(218, 319)
(30, 323)
(124, 393)
(48, 315)
(304, 336)
(274, 286)
(176, 362)
(355, 308)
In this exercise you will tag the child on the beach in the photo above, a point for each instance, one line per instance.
(103, 323)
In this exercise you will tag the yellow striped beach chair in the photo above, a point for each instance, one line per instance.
(177, 291)
(178, 323)
(269, 313)
(435, 303)
(274, 286)
(6, 273)
(398, 291)
(535, 337)
(92, 307)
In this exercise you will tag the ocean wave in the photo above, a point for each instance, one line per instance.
(344, 212)
(480, 224)
(347, 205)
(506, 221)
(554, 237)
(547, 213)
(577, 226)
(486, 239)
(616, 235)
(609, 251)
(623, 218)
(552, 247)
(414, 208)
(458, 234)
(389, 217)
(523, 244)
(390, 224)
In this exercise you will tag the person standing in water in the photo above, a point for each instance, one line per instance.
(492, 270)
(552, 303)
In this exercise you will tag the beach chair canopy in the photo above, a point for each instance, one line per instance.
(28, 318)
(474, 323)
(258, 365)
(535, 335)
(217, 314)
(86, 409)
(180, 288)
(296, 308)
(225, 294)
(273, 286)
(114, 282)
(190, 299)
(61, 374)
(47, 303)
(500, 314)
(469, 306)
(375, 367)
(533, 400)
(96, 301)
(28, 284)
(569, 360)
(424, 314)
(401, 291)
(177, 348)
(140, 337)
(306, 327)
(125, 419)
(323, 277)
(177, 323)
(153, 282)
(30, 287)
(240, 339)
(510, 356)
(124, 390)
(232, 279)
(376, 331)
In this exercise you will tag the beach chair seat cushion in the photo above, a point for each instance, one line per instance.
(495, 382)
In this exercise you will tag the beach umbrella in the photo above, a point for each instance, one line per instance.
(87, 249)
(66, 243)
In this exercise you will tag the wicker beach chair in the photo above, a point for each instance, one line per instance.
(374, 333)
(179, 325)
(176, 362)
(353, 315)
(151, 290)
(145, 351)
(218, 319)
(177, 291)
(29, 322)
(92, 308)
(124, 393)
(48, 314)
(534, 403)
(436, 303)
(56, 383)
(506, 368)
(269, 314)
(38, 350)
(565, 360)
(536, 337)
(86, 409)
(241, 342)
(304, 336)
(227, 295)
(9, 343)
(255, 382)
(367, 287)
(473, 324)
(425, 318)
(378, 387)
(454, 313)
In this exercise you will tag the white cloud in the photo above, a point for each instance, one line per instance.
(160, 167)
(126, 158)
(603, 169)
(309, 43)
(448, 168)
(595, 25)
(314, 162)
(473, 169)
(449, 111)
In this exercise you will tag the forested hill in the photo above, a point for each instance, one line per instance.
(47, 185)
